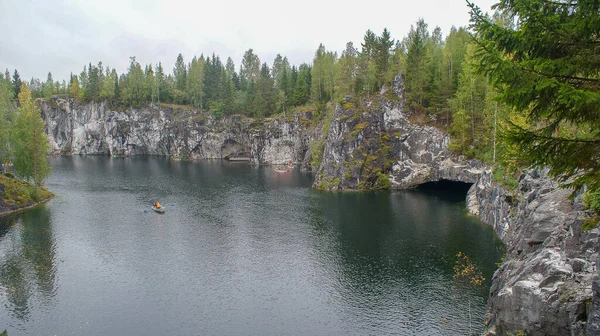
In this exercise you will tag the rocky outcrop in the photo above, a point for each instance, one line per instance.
(544, 285)
(375, 137)
(96, 129)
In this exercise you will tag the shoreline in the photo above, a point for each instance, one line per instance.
(4, 213)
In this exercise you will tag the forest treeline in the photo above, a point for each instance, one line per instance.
(440, 83)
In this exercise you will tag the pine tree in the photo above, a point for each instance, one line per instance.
(547, 68)
(30, 141)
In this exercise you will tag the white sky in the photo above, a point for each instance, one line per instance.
(62, 36)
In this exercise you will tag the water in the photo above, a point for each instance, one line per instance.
(242, 251)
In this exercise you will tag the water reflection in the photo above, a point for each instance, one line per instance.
(398, 250)
(28, 265)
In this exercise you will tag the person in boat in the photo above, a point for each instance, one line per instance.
(157, 205)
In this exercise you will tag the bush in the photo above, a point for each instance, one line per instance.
(9, 175)
(504, 177)
(592, 200)
(383, 181)
(316, 152)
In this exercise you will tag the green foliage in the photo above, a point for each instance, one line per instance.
(316, 152)
(416, 65)
(590, 223)
(383, 182)
(6, 117)
(134, 93)
(547, 69)
(592, 200)
(505, 177)
(20, 193)
(29, 141)
(328, 183)
(3, 333)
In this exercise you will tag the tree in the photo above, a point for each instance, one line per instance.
(416, 65)
(74, 87)
(134, 92)
(48, 87)
(92, 89)
(264, 100)
(180, 73)
(107, 91)
(250, 68)
(322, 75)
(6, 115)
(160, 83)
(303, 84)
(195, 82)
(16, 83)
(345, 73)
(29, 140)
(547, 68)
(383, 45)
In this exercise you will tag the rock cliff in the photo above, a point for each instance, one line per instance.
(544, 285)
(97, 129)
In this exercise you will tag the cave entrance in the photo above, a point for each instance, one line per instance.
(452, 190)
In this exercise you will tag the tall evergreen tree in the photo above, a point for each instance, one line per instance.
(16, 82)
(180, 73)
(383, 46)
(547, 68)
(416, 65)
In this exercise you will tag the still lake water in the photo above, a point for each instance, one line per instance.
(240, 251)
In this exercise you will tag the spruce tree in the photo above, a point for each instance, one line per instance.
(16, 83)
(546, 68)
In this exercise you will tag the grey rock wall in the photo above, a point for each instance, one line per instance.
(544, 285)
(96, 129)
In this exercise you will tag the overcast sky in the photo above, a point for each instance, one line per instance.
(62, 36)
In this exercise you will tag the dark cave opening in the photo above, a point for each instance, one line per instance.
(453, 190)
